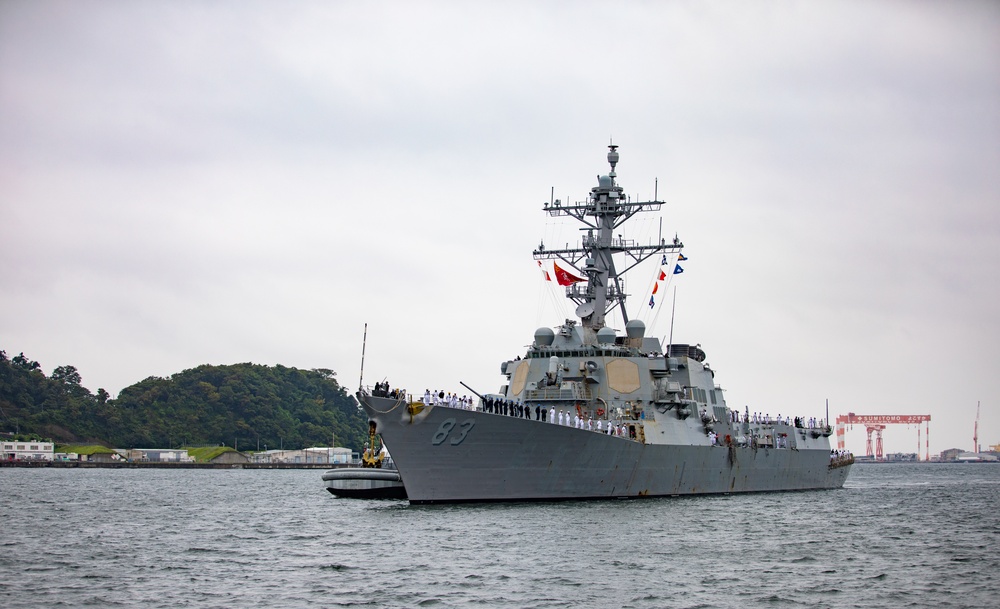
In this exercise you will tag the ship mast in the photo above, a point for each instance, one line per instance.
(606, 208)
(975, 432)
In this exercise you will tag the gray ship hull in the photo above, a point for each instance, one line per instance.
(448, 455)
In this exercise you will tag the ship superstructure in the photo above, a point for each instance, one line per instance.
(588, 412)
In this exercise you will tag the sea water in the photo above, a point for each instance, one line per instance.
(906, 535)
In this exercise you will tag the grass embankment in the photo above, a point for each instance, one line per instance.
(83, 449)
(204, 454)
(201, 454)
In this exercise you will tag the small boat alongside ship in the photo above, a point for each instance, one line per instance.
(377, 478)
(365, 483)
(624, 416)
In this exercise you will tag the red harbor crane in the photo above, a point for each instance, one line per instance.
(876, 423)
(878, 429)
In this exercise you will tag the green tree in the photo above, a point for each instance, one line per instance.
(24, 363)
(67, 375)
(207, 405)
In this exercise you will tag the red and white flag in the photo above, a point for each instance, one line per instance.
(564, 277)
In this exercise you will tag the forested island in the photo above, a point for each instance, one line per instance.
(241, 405)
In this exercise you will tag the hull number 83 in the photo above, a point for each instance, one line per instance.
(447, 426)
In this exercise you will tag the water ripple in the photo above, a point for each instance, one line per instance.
(901, 536)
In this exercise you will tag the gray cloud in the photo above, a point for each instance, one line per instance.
(183, 183)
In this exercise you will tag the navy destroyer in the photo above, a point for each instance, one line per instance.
(590, 412)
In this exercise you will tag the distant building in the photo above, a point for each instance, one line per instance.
(976, 457)
(28, 451)
(158, 455)
(951, 454)
(230, 456)
(305, 456)
(962, 456)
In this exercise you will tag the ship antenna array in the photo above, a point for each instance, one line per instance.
(673, 307)
(364, 341)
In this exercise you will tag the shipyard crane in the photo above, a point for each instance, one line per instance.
(876, 423)
(878, 429)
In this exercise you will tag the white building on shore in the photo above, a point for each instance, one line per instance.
(28, 451)
(157, 455)
(306, 456)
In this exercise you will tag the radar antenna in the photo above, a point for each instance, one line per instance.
(601, 288)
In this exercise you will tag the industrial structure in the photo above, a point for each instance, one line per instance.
(876, 424)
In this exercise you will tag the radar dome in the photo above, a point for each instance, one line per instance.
(544, 337)
(606, 335)
(635, 329)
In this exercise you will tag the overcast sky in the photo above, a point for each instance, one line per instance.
(184, 183)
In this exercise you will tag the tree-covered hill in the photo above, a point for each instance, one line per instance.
(240, 404)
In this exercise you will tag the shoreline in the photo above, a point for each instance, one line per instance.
(323, 466)
(166, 465)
